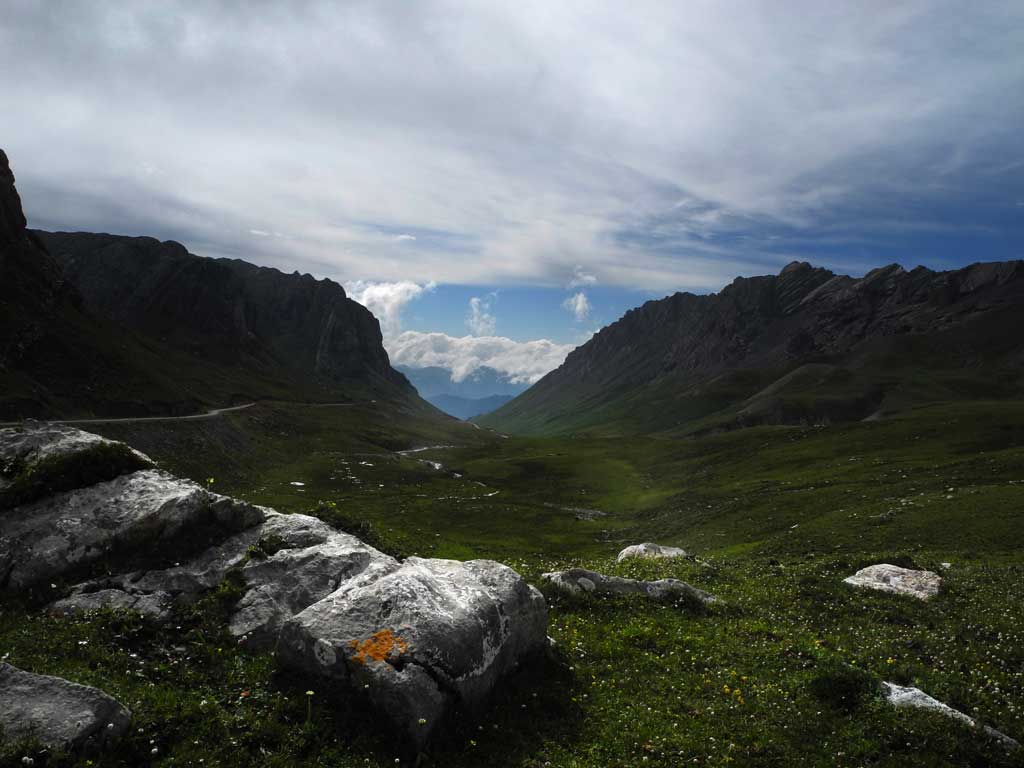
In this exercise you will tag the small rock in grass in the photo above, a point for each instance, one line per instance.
(578, 580)
(57, 712)
(650, 550)
(905, 696)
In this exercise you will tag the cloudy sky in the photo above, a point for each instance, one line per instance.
(497, 180)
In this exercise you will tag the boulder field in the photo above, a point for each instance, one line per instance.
(420, 638)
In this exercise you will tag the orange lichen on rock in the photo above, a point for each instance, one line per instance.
(379, 646)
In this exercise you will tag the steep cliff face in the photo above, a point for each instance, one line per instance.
(54, 357)
(801, 345)
(106, 325)
(226, 311)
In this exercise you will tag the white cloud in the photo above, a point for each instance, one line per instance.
(578, 305)
(521, 361)
(479, 320)
(580, 278)
(404, 238)
(386, 300)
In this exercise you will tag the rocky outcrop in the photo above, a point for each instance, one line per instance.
(420, 638)
(652, 551)
(904, 696)
(60, 714)
(145, 511)
(577, 581)
(900, 581)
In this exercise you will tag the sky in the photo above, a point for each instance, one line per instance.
(497, 180)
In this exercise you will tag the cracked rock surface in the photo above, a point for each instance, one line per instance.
(420, 638)
(651, 550)
(900, 581)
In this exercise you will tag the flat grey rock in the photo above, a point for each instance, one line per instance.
(156, 604)
(420, 639)
(650, 550)
(581, 581)
(896, 580)
(59, 535)
(61, 714)
(905, 696)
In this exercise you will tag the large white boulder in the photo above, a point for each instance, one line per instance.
(901, 581)
(59, 713)
(422, 639)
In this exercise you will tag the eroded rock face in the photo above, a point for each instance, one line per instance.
(651, 550)
(905, 696)
(901, 581)
(61, 714)
(418, 640)
(316, 562)
(579, 580)
(63, 534)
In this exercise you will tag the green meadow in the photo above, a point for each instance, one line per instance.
(782, 671)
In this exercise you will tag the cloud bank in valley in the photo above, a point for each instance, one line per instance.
(521, 361)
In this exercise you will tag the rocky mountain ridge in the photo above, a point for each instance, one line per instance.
(106, 325)
(224, 310)
(846, 345)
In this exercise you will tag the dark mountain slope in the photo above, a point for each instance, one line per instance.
(802, 346)
(228, 312)
(54, 357)
(116, 326)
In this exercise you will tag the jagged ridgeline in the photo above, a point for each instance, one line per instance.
(110, 325)
(804, 346)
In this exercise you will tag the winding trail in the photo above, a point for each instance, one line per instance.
(211, 414)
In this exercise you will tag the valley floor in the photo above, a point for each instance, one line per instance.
(779, 673)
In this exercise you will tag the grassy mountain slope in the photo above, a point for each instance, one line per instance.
(802, 346)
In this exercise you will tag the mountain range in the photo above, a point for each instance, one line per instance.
(803, 346)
